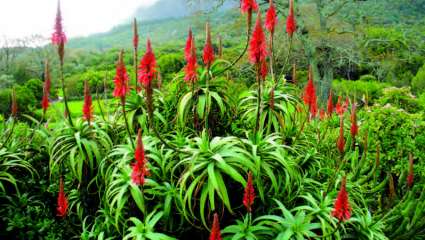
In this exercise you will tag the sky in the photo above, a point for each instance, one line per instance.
(23, 18)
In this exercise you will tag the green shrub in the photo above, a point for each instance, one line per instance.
(418, 82)
(368, 78)
(24, 96)
(398, 133)
(5, 101)
(401, 98)
(370, 90)
(36, 86)
(26, 99)
(170, 63)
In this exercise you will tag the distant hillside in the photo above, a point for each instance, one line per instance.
(164, 9)
(166, 21)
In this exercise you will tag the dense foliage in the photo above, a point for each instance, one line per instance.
(199, 143)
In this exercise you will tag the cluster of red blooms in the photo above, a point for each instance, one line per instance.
(215, 230)
(291, 26)
(208, 55)
(340, 143)
(248, 7)
(135, 35)
(58, 36)
(342, 209)
(121, 79)
(310, 98)
(147, 67)
(14, 107)
(87, 106)
(258, 48)
(341, 108)
(249, 194)
(271, 18)
(62, 207)
(140, 169)
(46, 88)
(191, 59)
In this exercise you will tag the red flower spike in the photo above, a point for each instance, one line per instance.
(345, 105)
(215, 230)
(58, 36)
(264, 69)
(338, 107)
(121, 78)
(191, 74)
(342, 209)
(135, 35)
(322, 114)
(411, 175)
(147, 67)
(257, 44)
(330, 105)
(62, 207)
(188, 48)
(290, 22)
(341, 140)
(47, 77)
(87, 107)
(249, 5)
(14, 107)
(208, 55)
(140, 170)
(46, 88)
(249, 194)
(310, 98)
(354, 127)
(45, 101)
(271, 18)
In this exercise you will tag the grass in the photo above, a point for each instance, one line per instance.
(56, 110)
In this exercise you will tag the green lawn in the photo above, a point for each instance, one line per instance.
(56, 110)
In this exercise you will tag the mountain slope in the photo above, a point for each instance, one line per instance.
(166, 21)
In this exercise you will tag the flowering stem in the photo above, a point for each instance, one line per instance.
(135, 69)
(127, 127)
(207, 113)
(339, 166)
(272, 58)
(144, 204)
(151, 122)
(193, 101)
(100, 106)
(65, 98)
(257, 122)
(238, 58)
(285, 63)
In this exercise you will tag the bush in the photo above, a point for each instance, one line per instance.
(368, 78)
(401, 98)
(358, 90)
(36, 86)
(398, 133)
(170, 63)
(26, 99)
(418, 82)
(5, 101)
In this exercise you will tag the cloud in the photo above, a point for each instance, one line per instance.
(20, 18)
